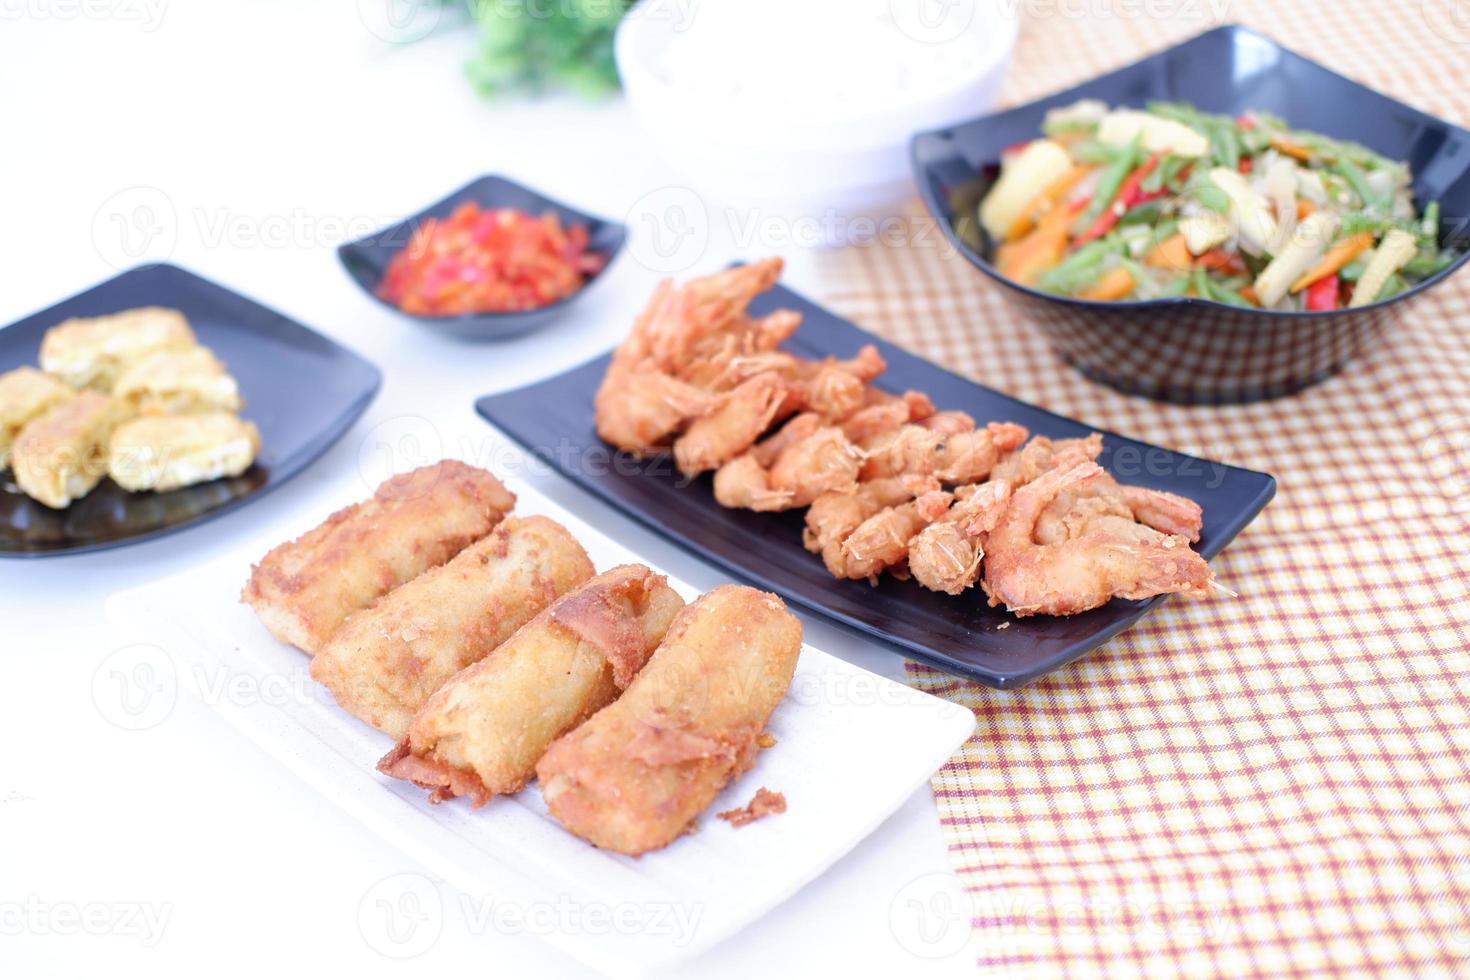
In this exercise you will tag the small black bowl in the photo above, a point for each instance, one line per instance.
(1188, 349)
(367, 258)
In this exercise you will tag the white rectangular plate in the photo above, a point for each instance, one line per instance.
(851, 747)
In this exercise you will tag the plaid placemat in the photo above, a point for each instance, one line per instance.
(1276, 784)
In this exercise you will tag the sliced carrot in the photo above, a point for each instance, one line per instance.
(1171, 253)
(1337, 256)
(1248, 293)
(1304, 207)
(1028, 258)
(1283, 145)
(1114, 285)
(1219, 260)
(1043, 201)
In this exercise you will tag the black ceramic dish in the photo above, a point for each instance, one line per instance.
(553, 419)
(1189, 349)
(302, 390)
(366, 259)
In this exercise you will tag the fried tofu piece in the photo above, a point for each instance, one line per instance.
(62, 455)
(91, 352)
(166, 452)
(385, 661)
(303, 589)
(25, 394)
(482, 733)
(179, 382)
(633, 777)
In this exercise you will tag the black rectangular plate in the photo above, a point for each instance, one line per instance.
(958, 634)
(302, 390)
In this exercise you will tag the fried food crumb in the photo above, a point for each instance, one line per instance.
(762, 804)
(765, 740)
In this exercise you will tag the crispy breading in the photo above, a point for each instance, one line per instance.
(385, 661)
(634, 776)
(303, 589)
(763, 804)
(483, 732)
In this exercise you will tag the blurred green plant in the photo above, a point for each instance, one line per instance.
(539, 45)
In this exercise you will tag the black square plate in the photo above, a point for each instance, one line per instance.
(367, 258)
(553, 419)
(302, 390)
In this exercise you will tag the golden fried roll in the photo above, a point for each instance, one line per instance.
(384, 661)
(25, 394)
(482, 733)
(63, 454)
(165, 452)
(638, 772)
(303, 589)
(90, 352)
(176, 382)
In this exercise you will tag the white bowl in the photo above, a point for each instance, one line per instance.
(803, 109)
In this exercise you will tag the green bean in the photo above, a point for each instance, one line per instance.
(1423, 266)
(1052, 127)
(1358, 221)
(1078, 269)
(1392, 287)
(1142, 214)
(1177, 286)
(1108, 183)
(1429, 226)
(1359, 183)
(1091, 151)
(1225, 144)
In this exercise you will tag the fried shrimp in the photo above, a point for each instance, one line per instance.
(1041, 454)
(946, 555)
(1111, 556)
(643, 409)
(1073, 509)
(921, 449)
(882, 540)
(878, 417)
(834, 516)
(732, 426)
(659, 379)
(699, 375)
(821, 462)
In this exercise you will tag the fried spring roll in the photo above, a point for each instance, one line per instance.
(482, 733)
(385, 661)
(635, 776)
(304, 589)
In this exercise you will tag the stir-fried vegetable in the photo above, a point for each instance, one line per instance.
(1168, 200)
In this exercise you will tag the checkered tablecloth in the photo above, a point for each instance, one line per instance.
(1271, 785)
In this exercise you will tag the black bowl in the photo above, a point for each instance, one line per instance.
(367, 258)
(1188, 349)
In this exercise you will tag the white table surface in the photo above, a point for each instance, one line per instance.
(250, 138)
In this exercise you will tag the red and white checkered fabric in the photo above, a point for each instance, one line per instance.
(1270, 785)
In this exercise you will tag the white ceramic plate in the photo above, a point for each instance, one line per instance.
(851, 748)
